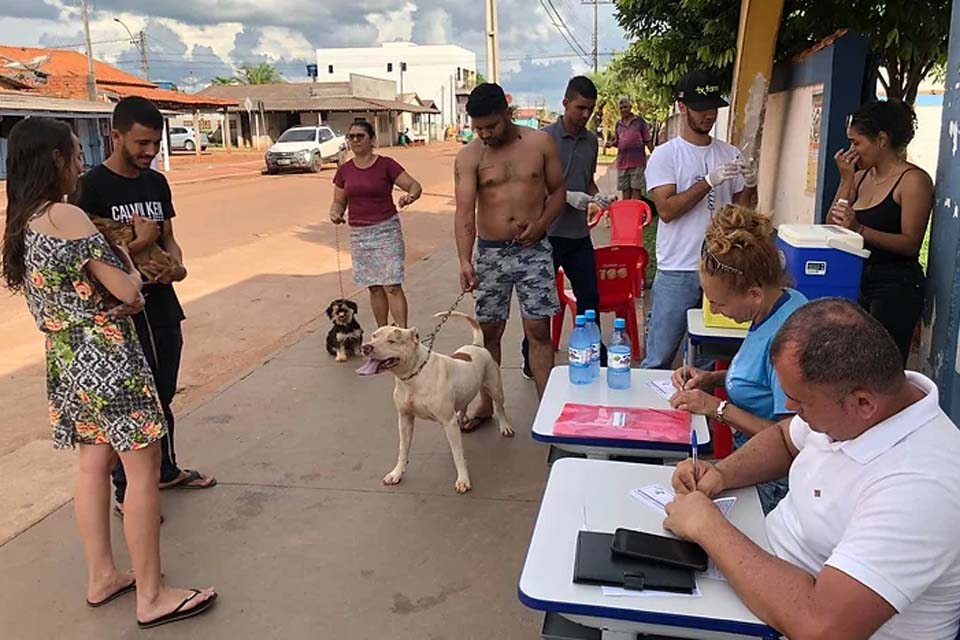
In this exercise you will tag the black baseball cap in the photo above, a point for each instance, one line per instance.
(700, 91)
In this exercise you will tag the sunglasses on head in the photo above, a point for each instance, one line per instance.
(356, 136)
(714, 265)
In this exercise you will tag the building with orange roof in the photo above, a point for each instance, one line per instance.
(37, 81)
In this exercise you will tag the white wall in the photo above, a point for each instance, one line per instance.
(924, 151)
(784, 153)
(431, 70)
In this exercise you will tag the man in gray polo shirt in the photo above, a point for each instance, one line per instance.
(569, 235)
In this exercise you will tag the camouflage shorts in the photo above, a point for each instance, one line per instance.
(500, 267)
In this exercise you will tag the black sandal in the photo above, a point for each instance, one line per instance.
(113, 596)
(179, 613)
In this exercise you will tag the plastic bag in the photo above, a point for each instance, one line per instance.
(623, 423)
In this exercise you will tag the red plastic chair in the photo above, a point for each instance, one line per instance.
(627, 221)
(617, 280)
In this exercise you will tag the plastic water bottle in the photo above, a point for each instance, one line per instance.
(580, 349)
(593, 330)
(618, 356)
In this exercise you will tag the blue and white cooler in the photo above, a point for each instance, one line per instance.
(822, 259)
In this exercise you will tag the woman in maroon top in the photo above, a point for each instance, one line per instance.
(364, 188)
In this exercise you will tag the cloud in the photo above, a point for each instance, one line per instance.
(535, 82)
(38, 9)
(432, 26)
(191, 41)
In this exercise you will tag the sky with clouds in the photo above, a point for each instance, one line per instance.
(191, 41)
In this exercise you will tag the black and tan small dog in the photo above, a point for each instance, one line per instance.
(346, 336)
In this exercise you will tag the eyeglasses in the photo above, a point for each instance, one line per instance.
(714, 265)
(356, 136)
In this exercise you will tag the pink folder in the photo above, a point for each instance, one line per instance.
(623, 423)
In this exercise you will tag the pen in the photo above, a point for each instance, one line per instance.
(693, 454)
(687, 363)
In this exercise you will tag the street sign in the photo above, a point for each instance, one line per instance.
(248, 104)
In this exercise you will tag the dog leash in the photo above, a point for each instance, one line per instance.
(336, 228)
(432, 337)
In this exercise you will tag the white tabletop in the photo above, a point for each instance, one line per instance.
(560, 391)
(600, 489)
(699, 331)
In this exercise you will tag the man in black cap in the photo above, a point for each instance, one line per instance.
(689, 178)
(509, 190)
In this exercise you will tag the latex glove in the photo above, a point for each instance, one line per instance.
(750, 171)
(579, 200)
(723, 173)
(604, 200)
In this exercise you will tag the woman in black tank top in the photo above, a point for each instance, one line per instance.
(888, 201)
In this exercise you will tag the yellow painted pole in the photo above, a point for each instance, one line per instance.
(756, 44)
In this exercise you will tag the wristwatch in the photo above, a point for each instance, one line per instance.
(720, 409)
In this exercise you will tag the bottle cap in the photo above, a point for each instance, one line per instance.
(620, 323)
(590, 314)
(579, 321)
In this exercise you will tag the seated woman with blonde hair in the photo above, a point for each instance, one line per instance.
(743, 278)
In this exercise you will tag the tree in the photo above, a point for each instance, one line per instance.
(908, 40)
(617, 80)
(263, 73)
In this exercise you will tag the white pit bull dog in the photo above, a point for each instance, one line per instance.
(432, 386)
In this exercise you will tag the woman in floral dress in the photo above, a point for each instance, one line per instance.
(102, 396)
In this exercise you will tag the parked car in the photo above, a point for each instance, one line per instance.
(182, 139)
(306, 148)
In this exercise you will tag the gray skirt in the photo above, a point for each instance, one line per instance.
(378, 253)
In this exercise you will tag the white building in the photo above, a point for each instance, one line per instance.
(433, 72)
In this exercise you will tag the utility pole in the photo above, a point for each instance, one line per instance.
(596, 30)
(91, 77)
(493, 42)
(140, 42)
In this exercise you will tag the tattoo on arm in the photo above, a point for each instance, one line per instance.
(456, 171)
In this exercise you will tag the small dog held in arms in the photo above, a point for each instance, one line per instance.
(121, 234)
(345, 336)
(432, 386)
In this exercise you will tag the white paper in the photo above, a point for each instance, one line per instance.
(620, 592)
(663, 388)
(712, 573)
(657, 497)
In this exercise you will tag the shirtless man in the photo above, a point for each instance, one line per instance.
(509, 190)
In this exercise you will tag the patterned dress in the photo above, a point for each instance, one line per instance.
(99, 386)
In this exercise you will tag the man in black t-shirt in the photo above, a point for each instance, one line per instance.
(125, 189)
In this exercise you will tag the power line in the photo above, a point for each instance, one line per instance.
(561, 25)
(580, 53)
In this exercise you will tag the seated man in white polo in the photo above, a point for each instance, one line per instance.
(867, 541)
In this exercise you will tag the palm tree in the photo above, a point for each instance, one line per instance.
(262, 73)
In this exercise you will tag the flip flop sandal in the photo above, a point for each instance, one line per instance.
(184, 482)
(113, 596)
(472, 424)
(117, 511)
(179, 613)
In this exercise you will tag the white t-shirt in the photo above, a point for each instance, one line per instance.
(884, 509)
(681, 163)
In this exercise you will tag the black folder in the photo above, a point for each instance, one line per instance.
(597, 564)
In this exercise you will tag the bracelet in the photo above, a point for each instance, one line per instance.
(720, 409)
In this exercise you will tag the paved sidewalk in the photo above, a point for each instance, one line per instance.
(300, 537)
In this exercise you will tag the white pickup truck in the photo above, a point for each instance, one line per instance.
(305, 148)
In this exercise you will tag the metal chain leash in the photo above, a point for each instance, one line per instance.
(432, 336)
(336, 228)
